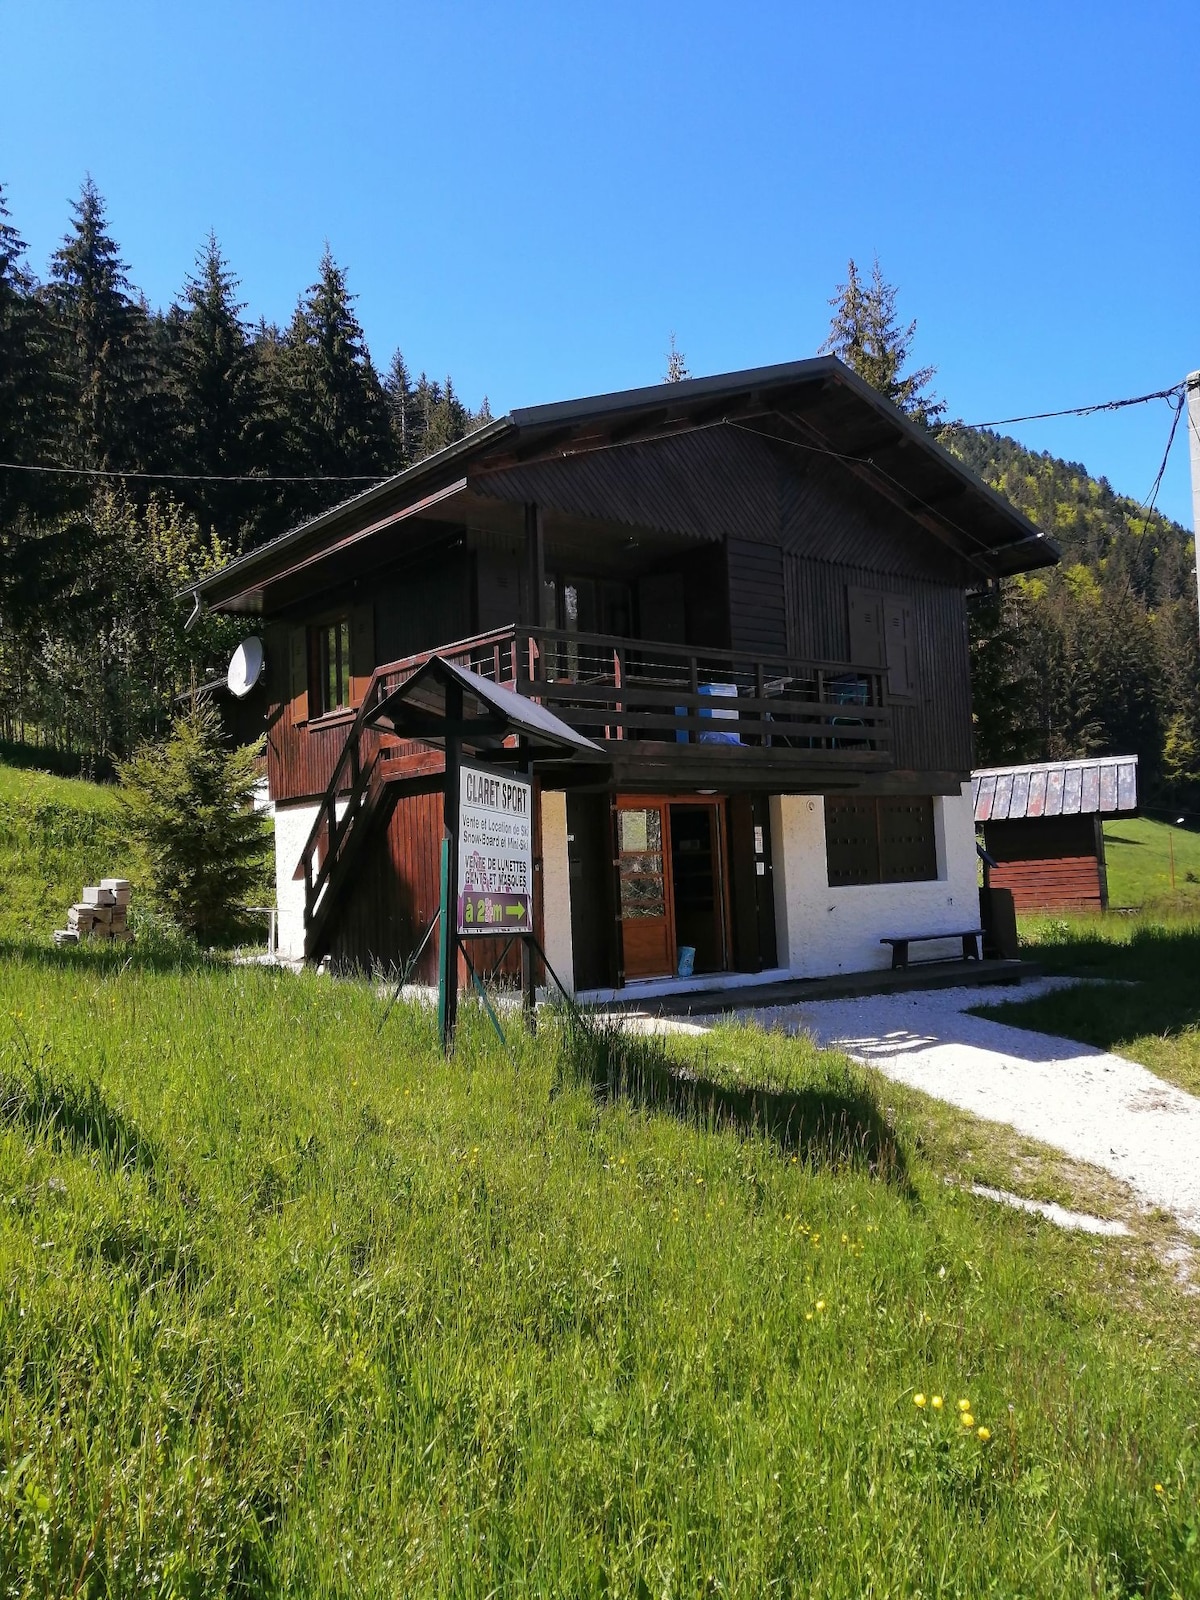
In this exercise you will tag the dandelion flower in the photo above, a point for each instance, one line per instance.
(936, 1402)
(964, 1405)
(820, 1305)
(918, 1400)
(984, 1433)
(1158, 1489)
(968, 1421)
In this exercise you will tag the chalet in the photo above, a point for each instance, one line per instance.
(749, 591)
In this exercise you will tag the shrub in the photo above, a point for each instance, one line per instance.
(188, 803)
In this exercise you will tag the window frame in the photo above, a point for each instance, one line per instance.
(331, 696)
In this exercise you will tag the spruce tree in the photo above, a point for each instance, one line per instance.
(189, 805)
(677, 367)
(338, 414)
(865, 334)
(29, 414)
(217, 386)
(103, 339)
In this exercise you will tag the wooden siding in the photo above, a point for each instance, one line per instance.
(931, 732)
(1049, 863)
(394, 896)
(757, 607)
(1071, 883)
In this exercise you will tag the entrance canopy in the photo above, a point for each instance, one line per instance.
(426, 707)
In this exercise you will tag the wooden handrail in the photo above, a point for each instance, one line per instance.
(654, 690)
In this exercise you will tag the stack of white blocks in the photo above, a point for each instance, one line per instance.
(102, 913)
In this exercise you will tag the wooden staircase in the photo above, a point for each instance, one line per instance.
(364, 785)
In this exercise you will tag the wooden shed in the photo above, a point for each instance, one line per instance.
(1043, 828)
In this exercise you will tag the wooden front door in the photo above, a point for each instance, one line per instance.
(644, 885)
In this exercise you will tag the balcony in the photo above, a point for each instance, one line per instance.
(677, 711)
(668, 716)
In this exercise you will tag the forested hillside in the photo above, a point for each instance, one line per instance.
(178, 437)
(202, 433)
(1102, 654)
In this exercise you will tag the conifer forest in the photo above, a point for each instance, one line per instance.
(204, 433)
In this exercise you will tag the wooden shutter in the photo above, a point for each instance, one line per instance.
(899, 623)
(867, 641)
(907, 850)
(851, 839)
(362, 650)
(298, 646)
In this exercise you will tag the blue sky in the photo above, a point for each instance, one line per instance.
(532, 196)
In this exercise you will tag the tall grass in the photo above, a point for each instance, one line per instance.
(290, 1305)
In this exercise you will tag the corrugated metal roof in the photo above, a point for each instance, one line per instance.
(417, 710)
(1095, 786)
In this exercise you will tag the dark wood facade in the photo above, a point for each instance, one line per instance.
(1049, 863)
(736, 588)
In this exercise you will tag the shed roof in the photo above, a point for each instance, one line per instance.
(491, 713)
(1095, 786)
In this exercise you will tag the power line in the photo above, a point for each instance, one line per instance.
(192, 477)
(1082, 411)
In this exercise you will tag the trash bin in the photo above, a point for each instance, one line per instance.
(687, 961)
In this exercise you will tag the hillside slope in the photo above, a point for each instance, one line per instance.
(56, 834)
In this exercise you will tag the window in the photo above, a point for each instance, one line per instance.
(879, 839)
(333, 665)
(883, 635)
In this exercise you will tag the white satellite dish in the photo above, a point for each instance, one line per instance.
(245, 668)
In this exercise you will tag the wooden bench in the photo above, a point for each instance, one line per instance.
(970, 946)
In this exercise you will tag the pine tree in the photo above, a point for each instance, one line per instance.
(189, 806)
(865, 334)
(337, 411)
(218, 393)
(677, 367)
(103, 339)
(397, 387)
(28, 393)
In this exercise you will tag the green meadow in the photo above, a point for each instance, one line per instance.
(290, 1305)
(1139, 853)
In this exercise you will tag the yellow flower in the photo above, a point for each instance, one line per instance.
(936, 1402)
(985, 1434)
(968, 1421)
(808, 1316)
(964, 1405)
(918, 1400)
(820, 1305)
(1158, 1489)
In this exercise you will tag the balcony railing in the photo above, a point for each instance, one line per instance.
(621, 691)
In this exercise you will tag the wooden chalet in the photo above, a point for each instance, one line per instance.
(1043, 828)
(748, 590)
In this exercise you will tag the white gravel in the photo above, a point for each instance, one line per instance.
(1096, 1107)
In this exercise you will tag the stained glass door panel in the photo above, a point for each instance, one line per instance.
(643, 852)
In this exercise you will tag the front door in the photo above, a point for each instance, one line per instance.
(672, 884)
(645, 910)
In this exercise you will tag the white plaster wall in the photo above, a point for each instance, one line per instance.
(822, 931)
(556, 888)
(293, 824)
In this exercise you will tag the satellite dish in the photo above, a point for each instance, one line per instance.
(245, 668)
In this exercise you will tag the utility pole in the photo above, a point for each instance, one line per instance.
(1193, 418)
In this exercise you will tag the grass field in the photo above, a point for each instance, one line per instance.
(1149, 1009)
(56, 834)
(290, 1306)
(1139, 851)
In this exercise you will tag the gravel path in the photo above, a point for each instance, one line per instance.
(1096, 1107)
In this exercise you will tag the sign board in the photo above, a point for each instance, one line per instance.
(495, 851)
